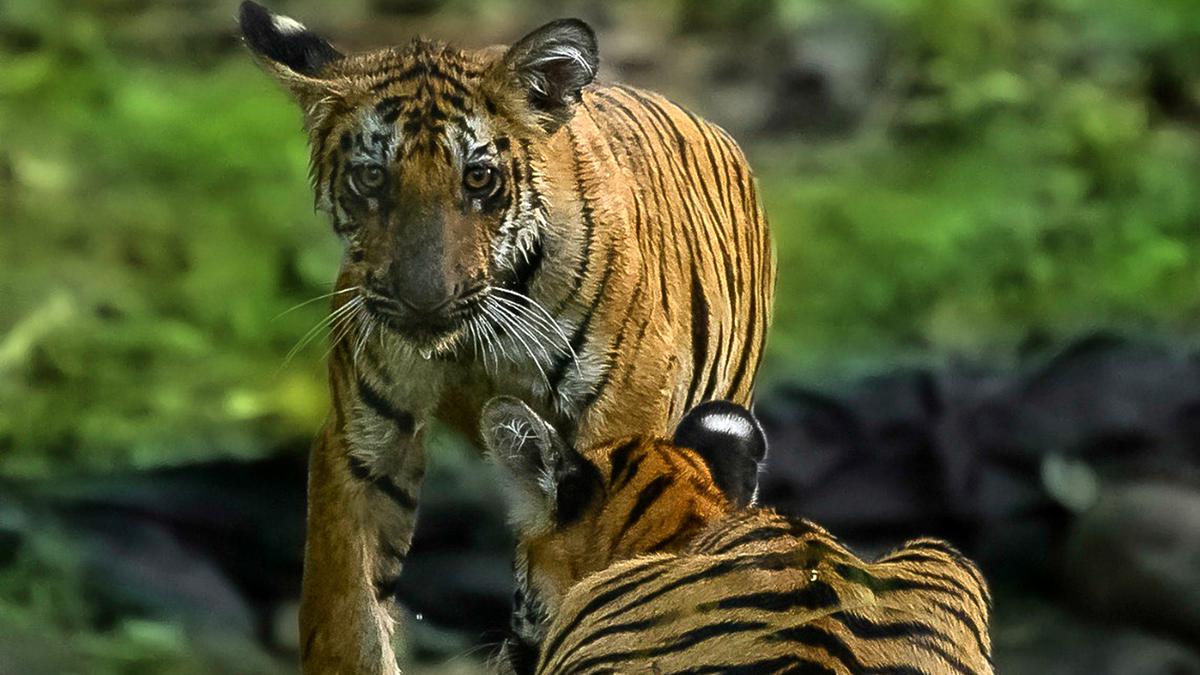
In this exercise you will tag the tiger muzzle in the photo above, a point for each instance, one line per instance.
(424, 317)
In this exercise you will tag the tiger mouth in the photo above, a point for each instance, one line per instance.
(438, 333)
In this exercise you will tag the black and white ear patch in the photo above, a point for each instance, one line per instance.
(732, 443)
(284, 40)
(554, 63)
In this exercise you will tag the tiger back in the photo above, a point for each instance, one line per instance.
(647, 556)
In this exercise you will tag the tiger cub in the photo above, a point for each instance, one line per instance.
(509, 226)
(647, 555)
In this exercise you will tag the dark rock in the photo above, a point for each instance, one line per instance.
(1035, 637)
(827, 75)
(1135, 557)
(1114, 402)
(138, 568)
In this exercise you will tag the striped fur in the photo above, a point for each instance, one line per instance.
(611, 265)
(660, 571)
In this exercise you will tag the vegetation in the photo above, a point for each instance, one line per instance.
(1035, 170)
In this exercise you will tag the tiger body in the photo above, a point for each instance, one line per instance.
(664, 566)
(510, 227)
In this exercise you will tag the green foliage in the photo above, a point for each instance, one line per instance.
(159, 222)
(1026, 168)
(1038, 173)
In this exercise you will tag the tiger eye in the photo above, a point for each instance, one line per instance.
(369, 177)
(479, 178)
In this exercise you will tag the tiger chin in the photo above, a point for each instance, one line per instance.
(647, 555)
(512, 226)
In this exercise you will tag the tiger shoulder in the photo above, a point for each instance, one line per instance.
(647, 555)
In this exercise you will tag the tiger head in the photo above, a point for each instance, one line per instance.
(577, 511)
(421, 156)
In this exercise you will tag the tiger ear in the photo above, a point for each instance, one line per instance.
(546, 482)
(554, 63)
(290, 52)
(732, 443)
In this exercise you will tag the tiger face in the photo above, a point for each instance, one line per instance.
(420, 156)
(579, 511)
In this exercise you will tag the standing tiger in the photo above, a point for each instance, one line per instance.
(510, 227)
(646, 556)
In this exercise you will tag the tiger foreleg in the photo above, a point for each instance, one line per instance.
(365, 474)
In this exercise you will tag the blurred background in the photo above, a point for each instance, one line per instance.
(988, 220)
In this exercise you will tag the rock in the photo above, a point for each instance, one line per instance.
(1036, 637)
(1113, 402)
(828, 77)
(1135, 557)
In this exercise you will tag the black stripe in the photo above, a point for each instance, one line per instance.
(956, 590)
(423, 69)
(865, 629)
(749, 349)
(814, 637)
(665, 120)
(758, 534)
(331, 186)
(689, 457)
(791, 665)
(606, 631)
(769, 561)
(950, 659)
(816, 595)
(360, 470)
(308, 643)
(384, 408)
(386, 104)
(618, 458)
(948, 549)
(390, 551)
(646, 497)
(922, 558)
(641, 136)
(577, 340)
(589, 225)
(969, 622)
(630, 472)
(527, 268)
(699, 337)
(596, 603)
(683, 642)
(719, 364)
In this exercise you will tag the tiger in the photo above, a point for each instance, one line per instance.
(510, 226)
(648, 555)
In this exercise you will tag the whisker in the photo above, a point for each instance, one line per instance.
(345, 324)
(362, 340)
(476, 344)
(520, 332)
(536, 331)
(494, 337)
(544, 316)
(319, 297)
(329, 321)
